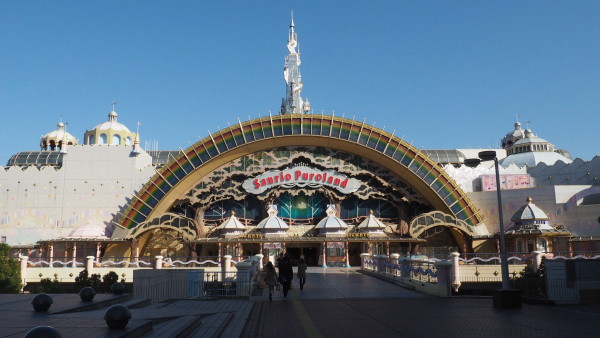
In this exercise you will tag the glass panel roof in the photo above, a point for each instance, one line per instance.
(445, 156)
(36, 158)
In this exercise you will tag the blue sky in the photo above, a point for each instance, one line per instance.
(443, 74)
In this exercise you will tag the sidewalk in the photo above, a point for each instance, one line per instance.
(338, 304)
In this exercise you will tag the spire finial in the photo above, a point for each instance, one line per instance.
(292, 23)
(113, 105)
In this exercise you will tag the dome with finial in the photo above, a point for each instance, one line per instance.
(231, 226)
(110, 132)
(331, 221)
(532, 150)
(513, 136)
(56, 138)
(112, 123)
(529, 212)
(371, 223)
(232, 223)
(531, 219)
(272, 222)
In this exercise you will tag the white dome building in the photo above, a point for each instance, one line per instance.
(513, 136)
(110, 132)
(55, 139)
(531, 151)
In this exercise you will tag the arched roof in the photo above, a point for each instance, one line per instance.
(181, 173)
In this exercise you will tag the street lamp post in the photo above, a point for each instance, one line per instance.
(506, 297)
(489, 156)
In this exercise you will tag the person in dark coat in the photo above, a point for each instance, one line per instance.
(270, 278)
(302, 272)
(286, 275)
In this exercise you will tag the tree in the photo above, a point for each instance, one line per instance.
(10, 271)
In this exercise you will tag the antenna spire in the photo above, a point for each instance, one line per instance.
(293, 103)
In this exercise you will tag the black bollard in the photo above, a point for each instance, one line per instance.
(117, 316)
(118, 288)
(43, 332)
(87, 294)
(41, 302)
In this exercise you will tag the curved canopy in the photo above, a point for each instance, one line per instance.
(175, 178)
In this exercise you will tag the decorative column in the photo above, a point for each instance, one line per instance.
(324, 255)
(98, 247)
(347, 254)
(242, 285)
(363, 257)
(137, 252)
(89, 264)
(226, 266)
(387, 248)
(455, 272)
(51, 254)
(395, 268)
(159, 262)
(443, 278)
(219, 253)
(74, 254)
(260, 260)
(23, 260)
(570, 249)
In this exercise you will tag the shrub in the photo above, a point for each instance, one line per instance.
(109, 279)
(10, 271)
(48, 286)
(533, 283)
(84, 279)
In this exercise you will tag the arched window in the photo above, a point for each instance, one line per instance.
(91, 139)
(102, 139)
(128, 141)
(116, 139)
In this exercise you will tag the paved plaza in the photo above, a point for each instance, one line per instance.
(336, 302)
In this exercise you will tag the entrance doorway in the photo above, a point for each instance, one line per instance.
(310, 253)
(354, 251)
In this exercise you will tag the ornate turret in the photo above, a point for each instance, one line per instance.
(57, 139)
(293, 103)
(110, 132)
(273, 226)
(331, 225)
(231, 227)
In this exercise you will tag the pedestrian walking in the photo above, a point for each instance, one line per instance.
(302, 272)
(286, 274)
(270, 278)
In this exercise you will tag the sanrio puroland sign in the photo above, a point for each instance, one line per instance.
(301, 177)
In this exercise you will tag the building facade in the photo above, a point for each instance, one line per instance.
(319, 186)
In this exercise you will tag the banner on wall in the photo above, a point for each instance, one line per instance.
(507, 182)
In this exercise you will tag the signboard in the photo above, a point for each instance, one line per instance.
(301, 176)
(507, 182)
(335, 245)
(272, 245)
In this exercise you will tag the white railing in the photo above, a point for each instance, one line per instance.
(64, 270)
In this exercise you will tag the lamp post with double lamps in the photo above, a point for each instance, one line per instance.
(504, 297)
